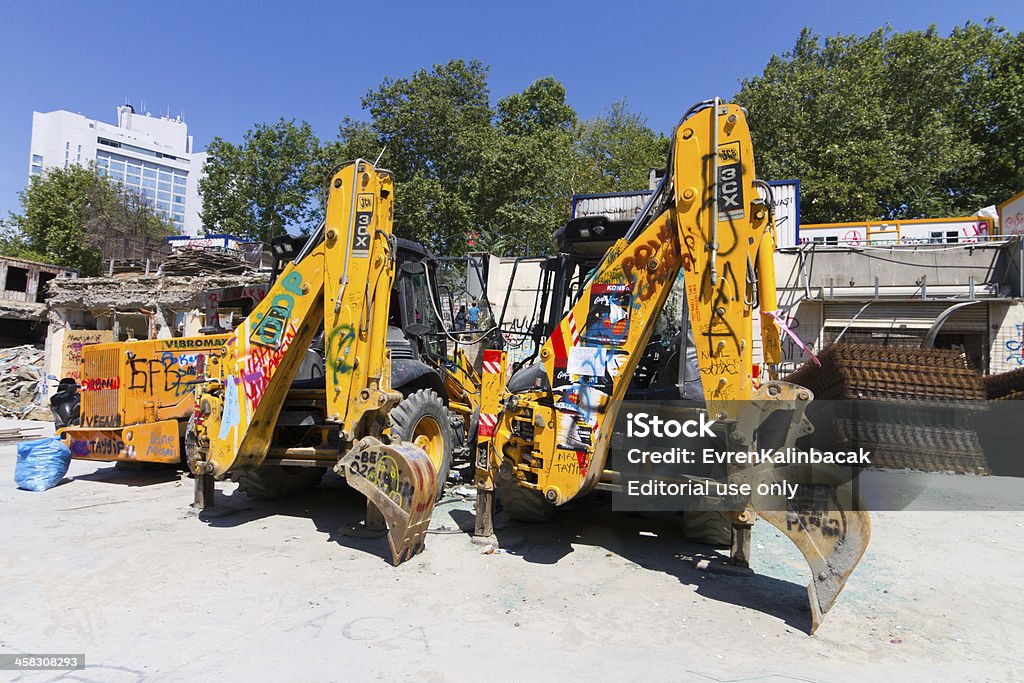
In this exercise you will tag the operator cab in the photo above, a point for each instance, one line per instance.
(582, 244)
(415, 328)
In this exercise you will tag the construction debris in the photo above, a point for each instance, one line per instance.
(910, 407)
(15, 434)
(22, 310)
(22, 384)
(150, 291)
(205, 262)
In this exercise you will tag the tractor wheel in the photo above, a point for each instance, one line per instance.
(707, 528)
(523, 505)
(422, 419)
(274, 482)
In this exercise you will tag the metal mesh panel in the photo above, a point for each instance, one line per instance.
(100, 383)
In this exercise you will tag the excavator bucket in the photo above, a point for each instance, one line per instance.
(400, 481)
(828, 524)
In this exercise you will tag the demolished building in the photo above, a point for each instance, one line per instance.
(23, 291)
(160, 306)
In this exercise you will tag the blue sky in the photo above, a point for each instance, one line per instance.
(230, 65)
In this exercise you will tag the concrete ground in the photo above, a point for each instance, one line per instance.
(111, 564)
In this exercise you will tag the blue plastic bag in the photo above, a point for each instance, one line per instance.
(41, 464)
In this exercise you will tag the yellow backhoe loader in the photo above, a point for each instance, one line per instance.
(382, 413)
(546, 429)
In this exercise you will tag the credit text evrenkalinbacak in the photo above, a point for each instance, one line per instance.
(640, 425)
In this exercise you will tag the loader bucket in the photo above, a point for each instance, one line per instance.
(400, 481)
(828, 524)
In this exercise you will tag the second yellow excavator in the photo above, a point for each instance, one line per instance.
(547, 429)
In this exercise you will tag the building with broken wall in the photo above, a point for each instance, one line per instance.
(23, 315)
(91, 310)
(23, 298)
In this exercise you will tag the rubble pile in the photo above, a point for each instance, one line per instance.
(911, 408)
(205, 262)
(22, 384)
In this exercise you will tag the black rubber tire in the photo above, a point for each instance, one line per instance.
(275, 482)
(707, 528)
(523, 505)
(418, 405)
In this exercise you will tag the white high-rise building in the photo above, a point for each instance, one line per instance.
(151, 155)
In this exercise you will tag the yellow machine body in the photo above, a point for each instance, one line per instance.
(342, 280)
(607, 329)
(136, 397)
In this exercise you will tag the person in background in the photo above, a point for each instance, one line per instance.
(474, 316)
(460, 319)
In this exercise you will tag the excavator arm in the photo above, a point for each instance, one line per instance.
(341, 279)
(554, 420)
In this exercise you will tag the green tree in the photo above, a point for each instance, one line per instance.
(617, 150)
(434, 128)
(266, 184)
(892, 125)
(14, 243)
(74, 217)
(505, 173)
(526, 180)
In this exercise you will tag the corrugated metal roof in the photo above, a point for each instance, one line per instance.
(618, 206)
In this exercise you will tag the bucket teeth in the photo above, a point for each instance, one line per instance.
(400, 481)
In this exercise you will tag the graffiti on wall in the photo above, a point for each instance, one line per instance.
(71, 355)
(1016, 346)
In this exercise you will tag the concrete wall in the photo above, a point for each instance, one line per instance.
(1006, 351)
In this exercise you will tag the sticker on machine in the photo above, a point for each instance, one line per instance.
(595, 361)
(730, 182)
(364, 216)
(608, 319)
(573, 434)
(586, 360)
(561, 378)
